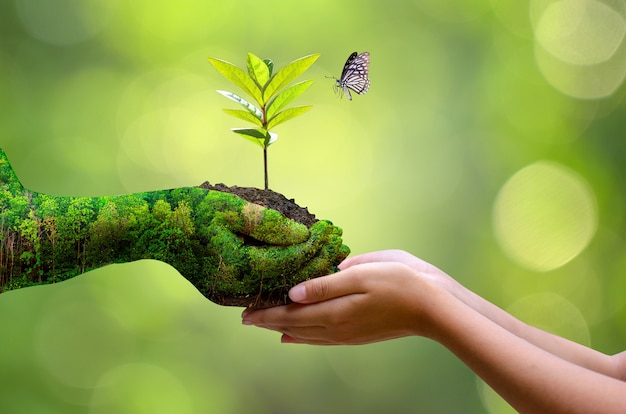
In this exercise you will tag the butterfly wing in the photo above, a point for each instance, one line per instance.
(355, 74)
(349, 61)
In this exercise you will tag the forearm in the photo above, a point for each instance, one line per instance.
(556, 345)
(530, 378)
(553, 344)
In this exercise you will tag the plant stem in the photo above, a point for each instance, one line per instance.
(265, 167)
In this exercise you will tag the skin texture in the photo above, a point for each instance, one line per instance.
(233, 251)
(391, 294)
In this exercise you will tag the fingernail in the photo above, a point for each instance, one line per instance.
(298, 293)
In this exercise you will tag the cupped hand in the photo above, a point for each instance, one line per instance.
(375, 297)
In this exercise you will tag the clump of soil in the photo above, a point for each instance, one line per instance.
(269, 199)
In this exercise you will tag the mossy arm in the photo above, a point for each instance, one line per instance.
(233, 251)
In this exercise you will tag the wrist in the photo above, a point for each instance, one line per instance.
(425, 301)
(440, 310)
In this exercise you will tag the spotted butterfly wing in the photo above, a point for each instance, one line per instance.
(355, 75)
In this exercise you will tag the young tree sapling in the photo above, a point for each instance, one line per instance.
(270, 92)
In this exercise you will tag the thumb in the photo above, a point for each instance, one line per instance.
(324, 288)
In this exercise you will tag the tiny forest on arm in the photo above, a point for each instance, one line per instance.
(233, 251)
(46, 239)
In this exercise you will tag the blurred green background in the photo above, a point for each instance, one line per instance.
(491, 143)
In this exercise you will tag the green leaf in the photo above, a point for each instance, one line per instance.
(259, 136)
(271, 138)
(270, 66)
(238, 77)
(252, 134)
(245, 115)
(258, 70)
(286, 115)
(282, 99)
(287, 74)
(251, 108)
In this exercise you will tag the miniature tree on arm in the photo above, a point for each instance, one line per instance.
(271, 94)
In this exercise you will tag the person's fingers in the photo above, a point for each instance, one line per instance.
(398, 256)
(277, 318)
(355, 260)
(321, 324)
(286, 339)
(326, 287)
(346, 307)
(296, 315)
(378, 256)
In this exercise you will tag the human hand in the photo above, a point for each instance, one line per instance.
(375, 297)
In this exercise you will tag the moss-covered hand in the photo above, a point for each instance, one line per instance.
(234, 252)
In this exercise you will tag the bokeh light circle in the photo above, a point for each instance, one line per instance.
(579, 45)
(552, 313)
(583, 81)
(581, 32)
(140, 388)
(544, 216)
(163, 126)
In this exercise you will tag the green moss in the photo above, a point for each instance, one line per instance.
(273, 229)
(233, 251)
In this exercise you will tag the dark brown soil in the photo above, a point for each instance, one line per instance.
(269, 199)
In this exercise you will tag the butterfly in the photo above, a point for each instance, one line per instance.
(354, 75)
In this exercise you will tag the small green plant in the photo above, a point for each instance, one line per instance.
(271, 94)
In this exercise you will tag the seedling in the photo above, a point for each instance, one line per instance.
(270, 93)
